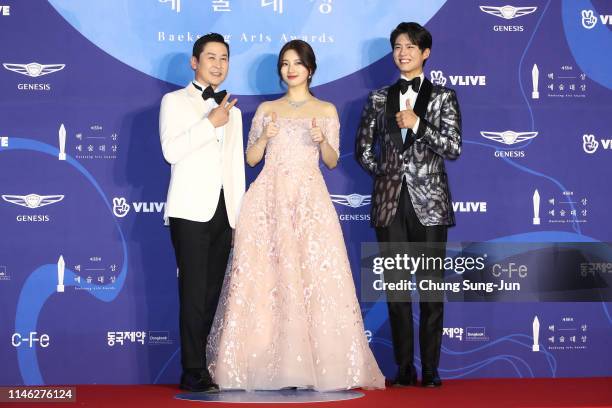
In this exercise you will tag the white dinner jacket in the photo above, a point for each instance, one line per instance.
(190, 145)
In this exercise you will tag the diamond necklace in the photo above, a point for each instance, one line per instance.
(296, 104)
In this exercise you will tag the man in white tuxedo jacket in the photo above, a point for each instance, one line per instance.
(201, 138)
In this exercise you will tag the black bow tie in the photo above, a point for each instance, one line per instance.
(210, 93)
(415, 83)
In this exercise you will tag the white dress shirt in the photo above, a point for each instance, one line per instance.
(410, 96)
(210, 105)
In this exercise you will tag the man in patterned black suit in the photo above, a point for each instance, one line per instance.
(407, 131)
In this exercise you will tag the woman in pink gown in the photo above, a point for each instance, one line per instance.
(288, 314)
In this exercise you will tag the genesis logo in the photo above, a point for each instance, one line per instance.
(32, 200)
(34, 69)
(508, 12)
(352, 200)
(509, 137)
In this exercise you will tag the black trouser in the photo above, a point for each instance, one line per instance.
(202, 250)
(406, 227)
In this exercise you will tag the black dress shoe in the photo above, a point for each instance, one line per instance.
(405, 378)
(431, 379)
(200, 382)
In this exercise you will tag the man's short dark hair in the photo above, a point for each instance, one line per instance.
(417, 34)
(198, 46)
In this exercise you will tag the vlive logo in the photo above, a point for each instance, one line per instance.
(121, 208)
(508, 13)
(470, 206)
(34, 70)
(438, 78)
(4, 141)
(352, 201)
(509, 138)
(5, 11)
(589, 20)
(590, 145)
(174, 4)
(33, 201)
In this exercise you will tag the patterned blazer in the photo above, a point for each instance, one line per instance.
(420, 159)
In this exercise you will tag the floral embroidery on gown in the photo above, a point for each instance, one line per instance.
(288, 315)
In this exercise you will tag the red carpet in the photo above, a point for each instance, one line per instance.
(565, 392)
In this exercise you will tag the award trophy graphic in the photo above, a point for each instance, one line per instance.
(62, 143)
(535, 76)
(536, 335)
(536, 208)
(61, 265)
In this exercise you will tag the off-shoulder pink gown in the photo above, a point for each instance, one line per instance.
(288, 314)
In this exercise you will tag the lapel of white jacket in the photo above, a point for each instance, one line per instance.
(228, 135)
(195, 98)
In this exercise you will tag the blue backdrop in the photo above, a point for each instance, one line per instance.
(86, 78)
